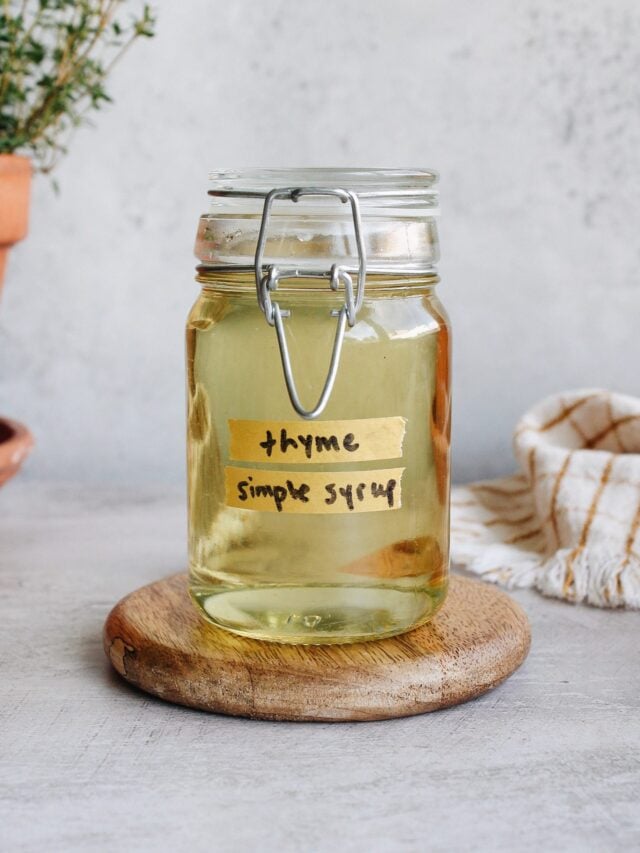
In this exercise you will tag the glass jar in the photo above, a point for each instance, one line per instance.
(318, 406)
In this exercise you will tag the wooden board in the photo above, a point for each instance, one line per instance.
(156, 640)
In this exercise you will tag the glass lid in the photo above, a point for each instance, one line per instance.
(366, 182)
(397, 208)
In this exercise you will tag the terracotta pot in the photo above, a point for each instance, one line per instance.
(15, 443)
(15, 185)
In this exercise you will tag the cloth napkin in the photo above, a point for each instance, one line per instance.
(569, 523)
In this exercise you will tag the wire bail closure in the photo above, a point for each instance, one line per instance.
(268, 278)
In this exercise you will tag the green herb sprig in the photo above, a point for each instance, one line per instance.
(55, 57)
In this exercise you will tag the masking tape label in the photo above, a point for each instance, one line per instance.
(314, 492)
(325, 442)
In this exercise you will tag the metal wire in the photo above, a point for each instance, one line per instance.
(267, 279)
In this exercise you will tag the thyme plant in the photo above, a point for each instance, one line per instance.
(55, 57)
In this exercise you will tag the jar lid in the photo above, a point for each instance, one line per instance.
(310, 227)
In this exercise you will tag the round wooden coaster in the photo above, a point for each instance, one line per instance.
(156, 639)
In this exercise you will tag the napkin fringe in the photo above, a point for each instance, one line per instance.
(591, 577)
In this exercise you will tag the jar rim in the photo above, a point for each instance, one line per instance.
(366, 182)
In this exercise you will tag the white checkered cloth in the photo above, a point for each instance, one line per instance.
(569, 523)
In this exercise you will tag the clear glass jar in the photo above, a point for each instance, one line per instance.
(318, 517)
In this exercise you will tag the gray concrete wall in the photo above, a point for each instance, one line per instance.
(529, 109)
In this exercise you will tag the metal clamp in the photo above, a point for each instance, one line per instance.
(268, 278)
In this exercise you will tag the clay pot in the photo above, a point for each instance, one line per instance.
(15, 185)
(15, 443)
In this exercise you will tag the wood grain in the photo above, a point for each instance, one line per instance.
(156, 640)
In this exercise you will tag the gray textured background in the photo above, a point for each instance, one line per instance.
(530, 111)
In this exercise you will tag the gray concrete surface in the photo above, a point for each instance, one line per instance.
(548, 761)
(529, 110)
